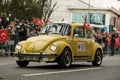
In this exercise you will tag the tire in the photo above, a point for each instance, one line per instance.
(22, 63)
(65, 58)
(98, 58)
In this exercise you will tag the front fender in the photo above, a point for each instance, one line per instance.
(60, 47)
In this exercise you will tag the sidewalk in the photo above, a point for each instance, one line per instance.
(109, 56)
(3, 55)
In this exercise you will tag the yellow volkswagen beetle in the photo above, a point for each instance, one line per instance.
(62, 43)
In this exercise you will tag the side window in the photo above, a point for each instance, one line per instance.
(79, 32)
(89, 34)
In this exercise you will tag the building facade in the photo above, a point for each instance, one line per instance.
(77, 10)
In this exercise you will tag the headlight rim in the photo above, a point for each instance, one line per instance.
(53, 47)
(18, 48)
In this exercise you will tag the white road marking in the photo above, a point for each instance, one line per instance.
(2, 64)
(57, 72)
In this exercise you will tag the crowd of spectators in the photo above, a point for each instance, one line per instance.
(110, 42)
(18, 30)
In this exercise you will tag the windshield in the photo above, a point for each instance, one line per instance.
(60, 29)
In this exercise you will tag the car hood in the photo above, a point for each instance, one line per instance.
(39, 43)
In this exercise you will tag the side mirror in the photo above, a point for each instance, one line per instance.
(76, 35)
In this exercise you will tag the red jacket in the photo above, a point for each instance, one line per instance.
(116, 42)
(108, 39)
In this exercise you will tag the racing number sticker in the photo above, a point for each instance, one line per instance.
(81, 46)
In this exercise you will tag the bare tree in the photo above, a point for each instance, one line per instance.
(48, 9)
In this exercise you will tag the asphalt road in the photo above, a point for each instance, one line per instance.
(109, 70)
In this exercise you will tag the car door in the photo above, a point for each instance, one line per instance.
(79, 41)
(89, 42)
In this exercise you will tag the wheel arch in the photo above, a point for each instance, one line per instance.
(61, 46)
(95, 49)
(71, 52)
(94, 53)
(65, 58)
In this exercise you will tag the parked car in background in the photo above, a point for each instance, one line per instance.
(62, 43)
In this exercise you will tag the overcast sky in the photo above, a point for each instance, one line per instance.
(105, 3)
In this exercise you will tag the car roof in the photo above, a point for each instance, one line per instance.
(72, 24)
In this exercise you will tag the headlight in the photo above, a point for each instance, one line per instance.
(18, 46)
(53, 47)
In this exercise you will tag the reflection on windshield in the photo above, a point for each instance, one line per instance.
(53, 29)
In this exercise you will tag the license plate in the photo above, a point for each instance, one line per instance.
(33, 58)
(45, 59)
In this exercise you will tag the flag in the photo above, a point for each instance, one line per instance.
(3, 35)
(118, 29)
(39, 22)
(88, 26)
(84, 25)
(35, 20)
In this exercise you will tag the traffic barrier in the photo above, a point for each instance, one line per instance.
(7, 47)
(1, 48)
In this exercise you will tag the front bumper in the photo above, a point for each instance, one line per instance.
(36, 57)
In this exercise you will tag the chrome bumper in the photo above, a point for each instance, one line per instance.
(35, 57)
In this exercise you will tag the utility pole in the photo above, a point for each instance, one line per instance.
(89, 11)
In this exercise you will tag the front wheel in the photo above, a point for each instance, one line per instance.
(98, 58)
(22, 63)
(65, 59)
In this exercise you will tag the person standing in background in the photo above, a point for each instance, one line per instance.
(108, 39)
(112, 44)
(22, 31)
(1, 26)
(6, 22)
(117, 44)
